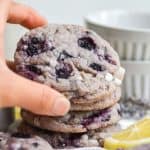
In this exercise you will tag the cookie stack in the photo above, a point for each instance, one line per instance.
(82, 66)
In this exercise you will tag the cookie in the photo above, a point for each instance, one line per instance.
(75, 122)
(22, 141)
(101, 104)
(62, 140)
(71, 59)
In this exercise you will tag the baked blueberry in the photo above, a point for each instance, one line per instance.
(97, 67)
(32, 50)
(64, 70)
(101, 115)
(35, 40)
(87, 43)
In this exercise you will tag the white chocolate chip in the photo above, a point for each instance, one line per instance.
(117, 81)
(93, 142)
(120, 73)
(108, 77)
(16, 145)
(84, 137)
(78, 77)
(25, 47)
(122, 70)
(53, 62)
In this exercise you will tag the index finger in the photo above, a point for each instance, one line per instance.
(4, 11)
(25, 16)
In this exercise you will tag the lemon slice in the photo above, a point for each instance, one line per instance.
(136, 134)
(17, 113)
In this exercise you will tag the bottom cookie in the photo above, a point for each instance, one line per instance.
(65, 140)
(22, 141)
(75, 122)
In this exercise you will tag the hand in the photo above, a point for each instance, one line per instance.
(14, 89)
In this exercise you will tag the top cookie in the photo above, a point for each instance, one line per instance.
(69, 58)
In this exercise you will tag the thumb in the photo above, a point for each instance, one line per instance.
(35, 97)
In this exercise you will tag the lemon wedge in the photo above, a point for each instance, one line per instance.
(136, 134)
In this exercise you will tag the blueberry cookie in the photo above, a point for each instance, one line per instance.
(106, 102)
(70, 59)
(75, 122)
(22, 141)
(62, 140)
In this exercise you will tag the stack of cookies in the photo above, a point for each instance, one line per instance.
(82, 66)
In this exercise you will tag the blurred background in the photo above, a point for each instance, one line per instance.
(68, 11)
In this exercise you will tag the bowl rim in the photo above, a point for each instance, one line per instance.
(88, 19)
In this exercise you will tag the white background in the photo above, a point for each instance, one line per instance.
(68, 11)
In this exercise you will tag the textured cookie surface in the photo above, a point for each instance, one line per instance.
(106, 102)
(63, 140)
(75, 122)
(69, 58)
(22, 141)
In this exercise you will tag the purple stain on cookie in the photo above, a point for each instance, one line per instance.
(28, 74)
(97, 67)
(64, 70)
(109, 59)
(87, 43)
(28, 71)
(99, 116)
(64, 55)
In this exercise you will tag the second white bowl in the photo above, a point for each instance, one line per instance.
(137, 81)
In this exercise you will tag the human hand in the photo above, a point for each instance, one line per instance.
(14, 89)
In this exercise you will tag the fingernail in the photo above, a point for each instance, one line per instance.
(61, 106)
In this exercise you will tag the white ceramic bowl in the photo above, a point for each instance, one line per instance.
(137, 80)
(127, 31)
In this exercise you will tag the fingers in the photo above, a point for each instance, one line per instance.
(35, 97)
(25, 16)
(4, 8)
(18, 91)
(19, 14)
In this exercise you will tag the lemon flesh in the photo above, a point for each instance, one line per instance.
(136, 134)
